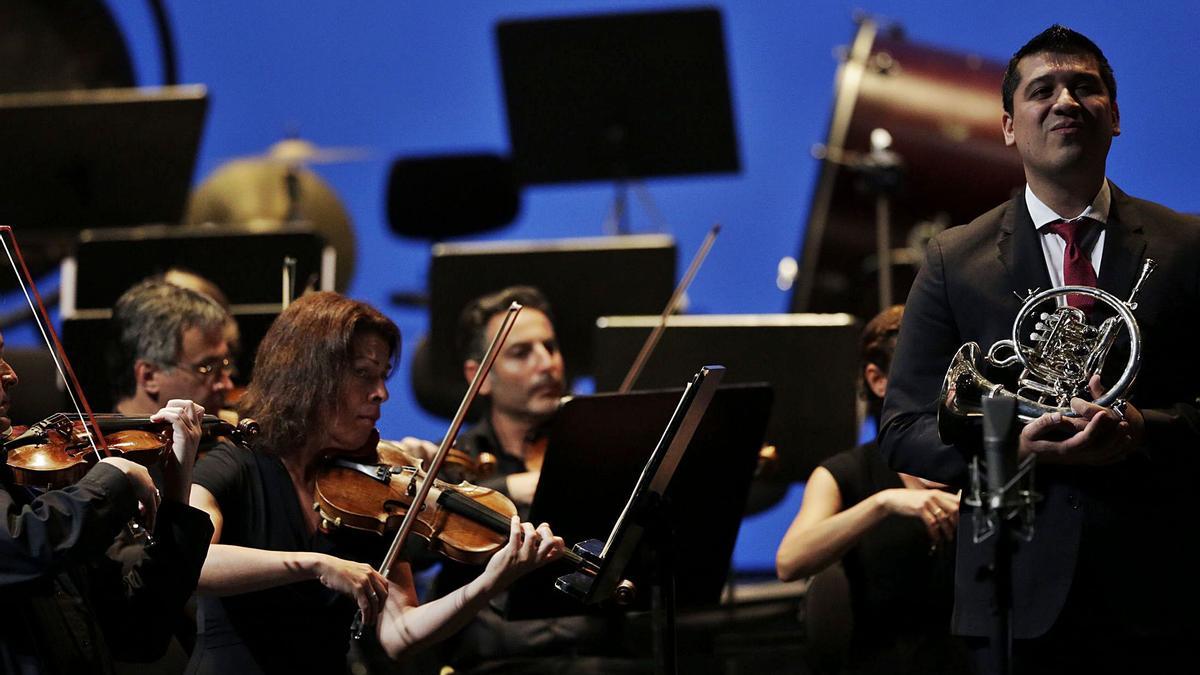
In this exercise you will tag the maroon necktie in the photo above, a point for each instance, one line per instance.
(1077, 267)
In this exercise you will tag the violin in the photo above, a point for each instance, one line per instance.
(411, 500)
(459, 466)
(464, 522)
(59, 450)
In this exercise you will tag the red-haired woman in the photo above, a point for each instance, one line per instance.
(277, 595)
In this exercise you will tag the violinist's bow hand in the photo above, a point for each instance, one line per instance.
(418, 448)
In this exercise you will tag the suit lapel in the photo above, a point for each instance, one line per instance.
(1124, 245)
(1020, 250)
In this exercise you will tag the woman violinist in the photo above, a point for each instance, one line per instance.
(75, 589)
(278, 595)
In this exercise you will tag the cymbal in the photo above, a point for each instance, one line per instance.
(298, 151)
(255, 192)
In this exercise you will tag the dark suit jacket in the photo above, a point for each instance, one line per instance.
(74, 593)
(1123, 522)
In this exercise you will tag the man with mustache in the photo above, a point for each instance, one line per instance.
(1096, 590)
(523, 389)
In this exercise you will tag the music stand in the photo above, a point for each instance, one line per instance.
(583, 278)
(814, 417)
(98, 157)
(598, 446)
(617, 97)
(245, 262)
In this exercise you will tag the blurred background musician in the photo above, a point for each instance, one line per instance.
(77, 590)
(522, 391)
(893, 535)
(171, 337)
(277, 594)
(170, 342)
(522, 394)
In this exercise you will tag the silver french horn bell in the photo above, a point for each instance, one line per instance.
(1061, 354)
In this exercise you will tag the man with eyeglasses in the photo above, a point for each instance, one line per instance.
(171, 342)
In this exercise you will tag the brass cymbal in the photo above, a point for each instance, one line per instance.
(255, 192)
(298, 151)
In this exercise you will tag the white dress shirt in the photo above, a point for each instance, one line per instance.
(1053, 246)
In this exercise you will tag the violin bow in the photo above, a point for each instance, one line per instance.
(435, 465)
(652, 340)
(42, 318)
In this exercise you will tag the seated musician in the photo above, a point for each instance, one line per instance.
(893, 535)
(170, 342)
(171, 337)
(69, 605)
(278, 594)
(523, 390)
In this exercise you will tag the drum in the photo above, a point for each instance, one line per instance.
(942, 111)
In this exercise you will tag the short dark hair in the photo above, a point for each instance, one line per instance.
(471, 339)
(1056, 39)
(148, 323)
(300, 364)
(875, 347)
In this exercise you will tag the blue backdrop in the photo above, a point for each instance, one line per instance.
(421, 76)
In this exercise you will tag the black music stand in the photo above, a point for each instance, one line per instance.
(245, 262)
(814, 417)
(599, 445)
(583, 278)
(617, 97)
(102, 157)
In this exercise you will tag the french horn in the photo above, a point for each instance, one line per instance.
(1060, 355)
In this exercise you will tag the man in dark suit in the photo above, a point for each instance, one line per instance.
(1095, 590)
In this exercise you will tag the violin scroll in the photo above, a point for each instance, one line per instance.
(243, 433)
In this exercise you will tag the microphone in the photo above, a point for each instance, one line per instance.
(999, 445)
(1000, 490)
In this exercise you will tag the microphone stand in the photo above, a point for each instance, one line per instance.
(1009, 495)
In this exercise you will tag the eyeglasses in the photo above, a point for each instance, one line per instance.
(208, 369)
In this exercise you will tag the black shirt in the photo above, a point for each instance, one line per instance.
(901, 589)
(299, 627)
(481, 438)
(77, 590)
